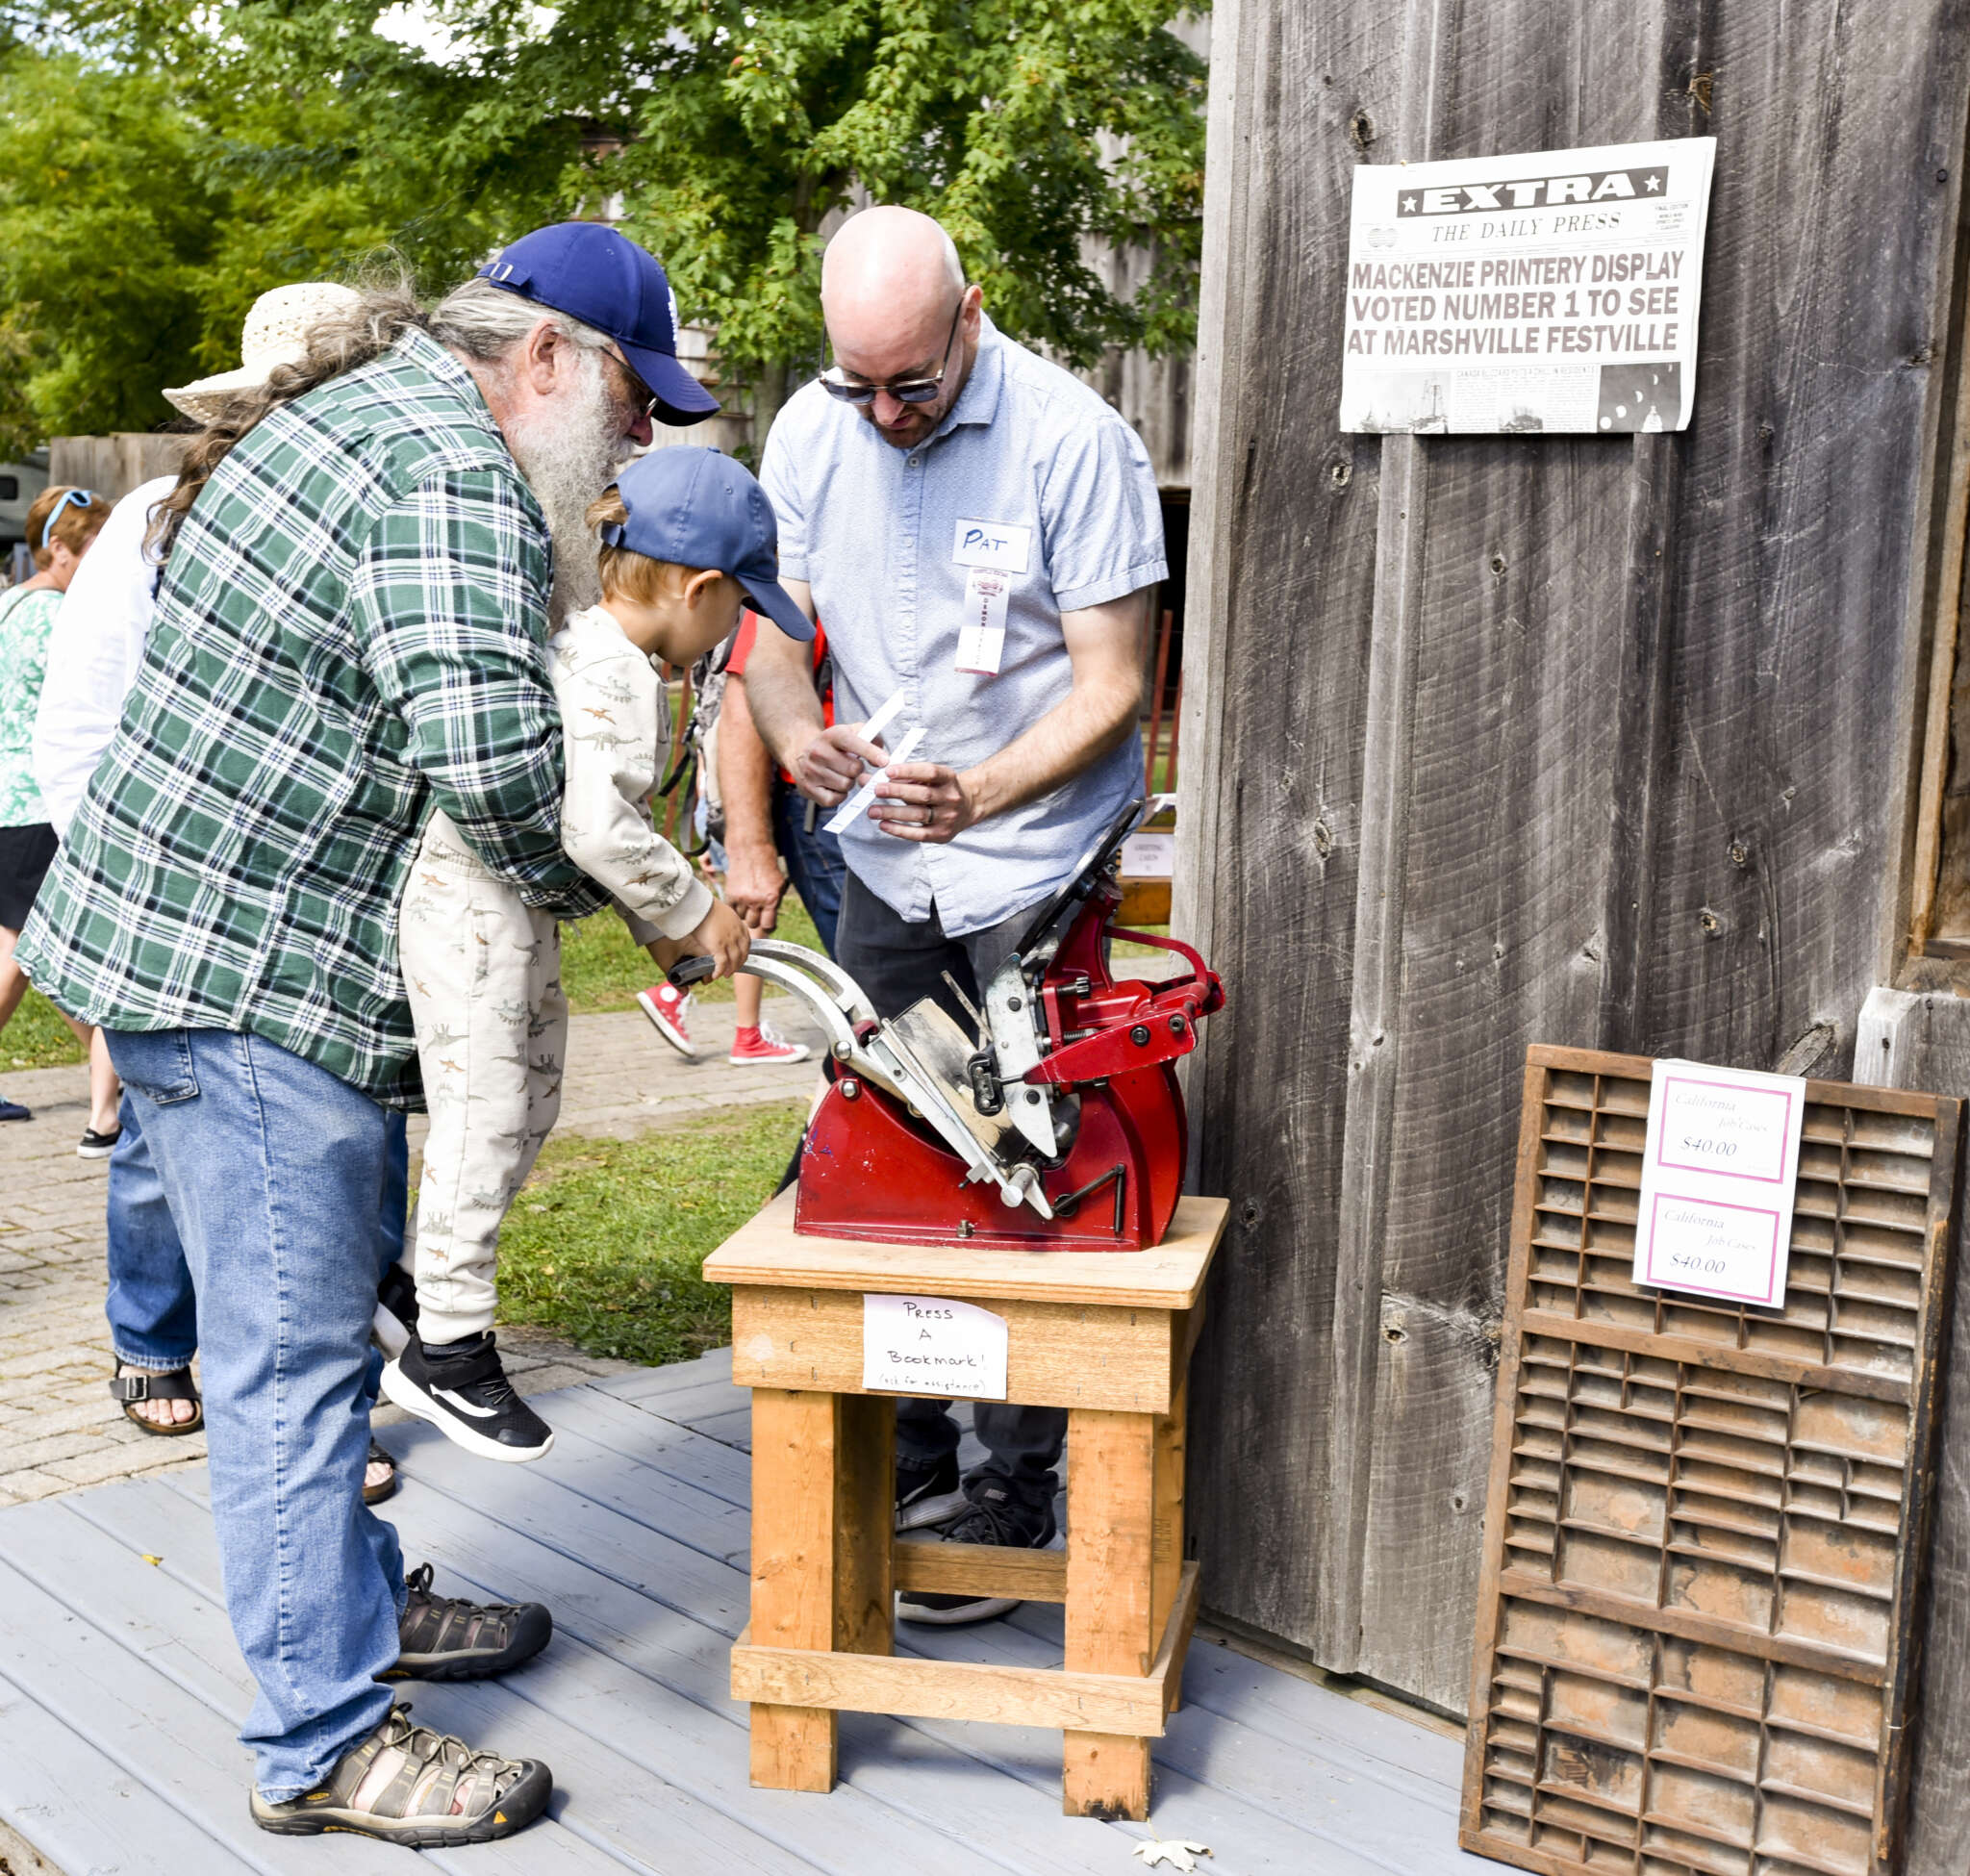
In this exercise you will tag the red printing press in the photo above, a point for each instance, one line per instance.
(1058, 1127)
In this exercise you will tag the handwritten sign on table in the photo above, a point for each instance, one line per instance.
(932, 1344)
(1717, 1180)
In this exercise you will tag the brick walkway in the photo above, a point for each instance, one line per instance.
(59, 1428)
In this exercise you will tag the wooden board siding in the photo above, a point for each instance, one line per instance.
(1275, 810)
(1494, 741)
(1916, 1041)
(113, 465)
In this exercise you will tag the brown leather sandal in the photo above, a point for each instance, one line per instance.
(175, 1385)
(384, 1489)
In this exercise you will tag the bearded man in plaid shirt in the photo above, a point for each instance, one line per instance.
(351, 629)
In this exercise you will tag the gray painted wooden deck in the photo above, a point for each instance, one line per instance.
(121, 1692)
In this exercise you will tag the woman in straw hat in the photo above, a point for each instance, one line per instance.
(61, 527)
(275, 333)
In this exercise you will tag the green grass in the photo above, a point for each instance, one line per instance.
(602, 970)
(36, 1038)
(606, 1241)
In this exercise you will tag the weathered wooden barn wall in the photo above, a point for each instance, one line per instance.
(113, 465)
(1907, 1039)
(1488, 740)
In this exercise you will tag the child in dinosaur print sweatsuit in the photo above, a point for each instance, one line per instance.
(482, 969)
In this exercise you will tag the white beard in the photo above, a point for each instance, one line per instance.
(568, 456)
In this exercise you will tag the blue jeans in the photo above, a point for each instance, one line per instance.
(152, 1310)
(151, 1306)
(275, 1171)
(814, 866)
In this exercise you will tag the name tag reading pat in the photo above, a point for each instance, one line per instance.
(981, 638)
(993, 544)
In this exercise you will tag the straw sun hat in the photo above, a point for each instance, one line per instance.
(275, 333)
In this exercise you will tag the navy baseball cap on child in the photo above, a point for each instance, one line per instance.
(605, 280)
(697, 508)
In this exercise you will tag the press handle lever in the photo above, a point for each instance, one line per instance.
(698, 968)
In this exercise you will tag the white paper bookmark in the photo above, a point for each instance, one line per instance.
(883, 718)
(858, 803)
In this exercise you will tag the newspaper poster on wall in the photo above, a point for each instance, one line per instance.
(1556, 292)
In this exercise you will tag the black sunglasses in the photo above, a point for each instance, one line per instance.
(640, 394)
(906, 391)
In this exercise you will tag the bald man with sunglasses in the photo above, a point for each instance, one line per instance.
(982, 533)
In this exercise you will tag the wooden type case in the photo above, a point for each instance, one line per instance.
(1705, 1522)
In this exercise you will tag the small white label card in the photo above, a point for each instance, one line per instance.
(981, 638)
(1148, 856)
(932, 1344)
(1717, 1181)
(993, 544)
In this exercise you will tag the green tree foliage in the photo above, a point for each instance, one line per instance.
(145, 205)
(1036, 130)
(103, 226)
(1030, 130)
(224, 148)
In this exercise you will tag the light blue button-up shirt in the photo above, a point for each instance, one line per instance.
(1029, 474)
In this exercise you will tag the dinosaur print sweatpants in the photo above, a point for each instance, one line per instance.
(483, 971)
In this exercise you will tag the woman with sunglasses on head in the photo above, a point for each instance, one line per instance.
(61, 527)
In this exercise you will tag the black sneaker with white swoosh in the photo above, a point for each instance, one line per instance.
(462, 1389)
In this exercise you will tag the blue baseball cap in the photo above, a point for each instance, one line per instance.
(697, 508)
(605, 280)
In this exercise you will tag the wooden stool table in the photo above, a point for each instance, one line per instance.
(1105, 1334)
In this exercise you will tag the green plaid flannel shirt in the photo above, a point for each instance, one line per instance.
(351, 629)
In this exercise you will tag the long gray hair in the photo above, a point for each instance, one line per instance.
(477, 319)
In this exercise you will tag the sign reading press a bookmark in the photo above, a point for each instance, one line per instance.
(932, 1344)
(1717, 1181)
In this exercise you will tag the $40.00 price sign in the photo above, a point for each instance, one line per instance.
(1717, 1181)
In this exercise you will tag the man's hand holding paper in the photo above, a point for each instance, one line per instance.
(830, 767)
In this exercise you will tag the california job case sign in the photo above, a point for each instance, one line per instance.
(1555, 291)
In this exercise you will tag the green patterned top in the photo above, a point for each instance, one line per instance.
(352, 628)
(26, 618)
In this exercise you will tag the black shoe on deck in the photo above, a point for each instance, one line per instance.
(994, 1515)
(447, 1639)
(927, 1494)
(462, 1389)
